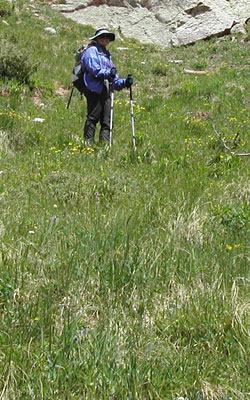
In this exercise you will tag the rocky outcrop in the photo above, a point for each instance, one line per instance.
(163, 22)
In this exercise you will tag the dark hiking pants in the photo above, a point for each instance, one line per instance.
(98, 110)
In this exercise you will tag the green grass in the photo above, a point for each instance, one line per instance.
(123, 275)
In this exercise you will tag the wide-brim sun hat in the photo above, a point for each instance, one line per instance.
(102, 32)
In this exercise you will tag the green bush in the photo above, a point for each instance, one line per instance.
(14, 63)
(160, 69)
(233, 218)
(5, 8)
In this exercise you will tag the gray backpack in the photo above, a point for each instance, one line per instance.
(78, 70)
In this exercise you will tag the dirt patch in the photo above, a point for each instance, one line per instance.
(61, 91)
(4, 93)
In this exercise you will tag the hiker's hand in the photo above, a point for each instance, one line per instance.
(129, 81)
(113, 73)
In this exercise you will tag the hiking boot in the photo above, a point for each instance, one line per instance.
(89, 131)
(104, 135)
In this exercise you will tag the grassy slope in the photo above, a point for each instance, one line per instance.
(124, 276)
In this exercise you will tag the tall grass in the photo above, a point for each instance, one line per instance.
(123, 275)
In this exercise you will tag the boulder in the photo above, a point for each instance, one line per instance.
(162, 22)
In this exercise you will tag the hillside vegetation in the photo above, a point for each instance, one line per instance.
(123, 275)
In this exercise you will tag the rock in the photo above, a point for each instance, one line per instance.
(176, 61)
(161, 22)
(238, 28)
(51, 30)
(38, 120)
(205, 20)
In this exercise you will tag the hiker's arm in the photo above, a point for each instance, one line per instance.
(119, 84)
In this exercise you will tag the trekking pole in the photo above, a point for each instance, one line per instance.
(132, 117)
(70, 96)
(111, 113)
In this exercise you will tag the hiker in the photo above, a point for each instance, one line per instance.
(100, 73)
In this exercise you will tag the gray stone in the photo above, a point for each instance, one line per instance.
(162, 22)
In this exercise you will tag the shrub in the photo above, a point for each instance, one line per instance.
(14, 63)
(233, 218)
(5, 8)
(160, 69)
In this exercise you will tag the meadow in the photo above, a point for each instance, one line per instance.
(123, 274)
